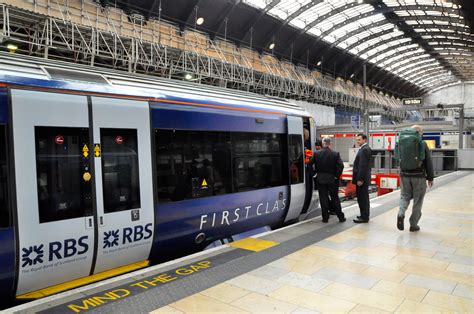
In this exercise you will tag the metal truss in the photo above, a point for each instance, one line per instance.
(59, 36)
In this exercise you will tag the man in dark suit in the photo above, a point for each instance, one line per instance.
(328, 167)
(361, 178)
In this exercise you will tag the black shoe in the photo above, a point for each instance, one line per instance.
(342, 219)
(416, 228)
(400, 223)
(325, 221)
(360, 221)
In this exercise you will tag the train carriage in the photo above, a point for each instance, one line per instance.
(104, 172)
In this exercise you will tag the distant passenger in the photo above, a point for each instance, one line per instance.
(361, 178)
(318, 144)
(328, 166)
(415, 168)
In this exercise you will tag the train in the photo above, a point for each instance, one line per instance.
(103, 172)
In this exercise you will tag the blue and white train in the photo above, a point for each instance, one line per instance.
(105, 172)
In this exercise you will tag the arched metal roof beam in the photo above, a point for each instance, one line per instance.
(441, 74)
(388, 40)
(390, 48)
(286, 21)
(398, 60)
(439, 77)
(187, 13)
(414, 65)
(257, 18)
(383, 22)
(227, 12)
(435, 73)
(376, 11)
(423, 72)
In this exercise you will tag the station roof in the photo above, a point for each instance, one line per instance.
(409, 46)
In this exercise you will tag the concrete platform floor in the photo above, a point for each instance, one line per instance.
(368, 268)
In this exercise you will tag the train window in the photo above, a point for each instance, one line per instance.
(257, 161)
(192, 164)
(63, 193)
(4, 208)
(295, 149)
(120, 174)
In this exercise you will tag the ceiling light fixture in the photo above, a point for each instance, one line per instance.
(188, 77)
(272, 45)
(12, 48)
(200, 21)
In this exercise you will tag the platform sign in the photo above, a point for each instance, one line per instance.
(355, 122)
(412, 101)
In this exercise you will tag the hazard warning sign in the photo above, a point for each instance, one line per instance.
(85, 151)
(97, 150)
(204, 184)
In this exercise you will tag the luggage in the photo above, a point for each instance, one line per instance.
(410, 150)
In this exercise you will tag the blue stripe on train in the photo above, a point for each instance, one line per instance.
(178, 223)
(167, 116)
(7, 263)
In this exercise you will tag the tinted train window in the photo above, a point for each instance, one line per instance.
(63, 193)
(4, 208)
(120, 175)
(295, 148)
(192, 164)
(257, 161)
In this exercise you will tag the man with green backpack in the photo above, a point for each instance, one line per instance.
(415, 168)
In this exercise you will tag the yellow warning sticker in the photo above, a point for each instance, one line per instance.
(85, 151)
(87, 176)
(204, 183)
(97, 150)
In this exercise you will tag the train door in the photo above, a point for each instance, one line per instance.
(53, 188)
(124, 187)
(311, 197)
(296, 167)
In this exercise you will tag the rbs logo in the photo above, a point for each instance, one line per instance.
(127, 235)
(57, 250)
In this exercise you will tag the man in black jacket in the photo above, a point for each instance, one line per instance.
(361, 178)
(328, 167)
(413, 186)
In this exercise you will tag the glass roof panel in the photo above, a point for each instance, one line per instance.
(257, 3)
(287, 7)
(373, 35)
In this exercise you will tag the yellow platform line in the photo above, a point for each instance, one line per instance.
(253, 244)
(83, 281)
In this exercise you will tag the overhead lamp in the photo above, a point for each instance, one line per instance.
(272, 45)
(352, 75)
(319, 63)
(360, 1)
(188, 77)
(12, 48)
(200, 21)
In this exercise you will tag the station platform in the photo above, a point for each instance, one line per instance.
(311, 267)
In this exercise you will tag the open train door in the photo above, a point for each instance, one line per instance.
(296, 167)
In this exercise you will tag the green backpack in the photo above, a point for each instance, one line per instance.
(410, 150)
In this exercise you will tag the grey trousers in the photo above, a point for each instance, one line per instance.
(412, 188)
